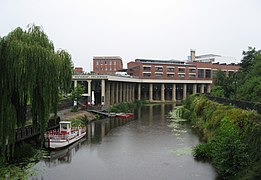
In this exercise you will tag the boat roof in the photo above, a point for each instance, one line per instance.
(65, 122)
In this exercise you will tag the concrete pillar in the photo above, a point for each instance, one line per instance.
(112, 93)
(108, 94)
(202, 88)
(174, 92)
(209, 88)
(117, 92)
(102, 92)
(151, 92)
(194, 88)
(184, 91)
(123, 92)
(133, 92)
(139, 91)
(120, 93)
(75, 83)
(162, 92)
(89, 98)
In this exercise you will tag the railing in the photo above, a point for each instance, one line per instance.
(239, 104)
(27, 132)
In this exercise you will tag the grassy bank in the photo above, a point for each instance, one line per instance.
(232, 137)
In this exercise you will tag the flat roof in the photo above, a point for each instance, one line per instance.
(65, 122)
(107, 57)
(171, 61)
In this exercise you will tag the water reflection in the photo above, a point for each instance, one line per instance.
(95, 132)
(145, 148)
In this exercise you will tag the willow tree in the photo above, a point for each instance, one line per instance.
(31, 71)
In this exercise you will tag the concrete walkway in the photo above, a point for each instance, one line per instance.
(66, 114)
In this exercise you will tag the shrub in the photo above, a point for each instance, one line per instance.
(202, 152)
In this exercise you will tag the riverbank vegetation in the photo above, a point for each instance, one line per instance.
(232, 137)
(127, 107)
(31, 71)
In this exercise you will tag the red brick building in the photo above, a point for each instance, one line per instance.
(180, 70)
(107, 64)
(78, 70)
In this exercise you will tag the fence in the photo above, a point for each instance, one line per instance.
(239, 104)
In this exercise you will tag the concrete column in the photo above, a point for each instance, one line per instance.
(209, 88)
(184, 91)
(102, 92)
(112, 93)
(133, 92)
(174, 92)
(89, 94)
(139, 91)
(202, 88)
(151, 92)
(75, 83)
(117, 92)
(108, 94)
(194, 88)
(162, 92)
(120, 96)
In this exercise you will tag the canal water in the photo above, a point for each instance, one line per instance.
(151, 147)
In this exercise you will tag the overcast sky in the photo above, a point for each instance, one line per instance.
(158, 29)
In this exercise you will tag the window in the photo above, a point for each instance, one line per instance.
(181, 75)
(158, 68)
(208, 73)
(170, 75)
(146, 74)
(101, 62)
(181, 70)
(97, 62)
(105, 68)
(110, 62)
(214, 73)
(192, 70)
(115, 62)
(192, 75)
(110, 69)
(230, 73)
(200, 73)
(158, 74)
(146, 68)
(170, 69)
(97, 68)
(105, 62)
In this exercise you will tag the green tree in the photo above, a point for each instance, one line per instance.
(217, 91)
(31, 71)
(77, 93)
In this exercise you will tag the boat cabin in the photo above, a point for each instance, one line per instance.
(65, 127)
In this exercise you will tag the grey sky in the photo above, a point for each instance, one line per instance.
(159, 29)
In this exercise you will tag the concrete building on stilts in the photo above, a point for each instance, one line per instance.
(152, 80)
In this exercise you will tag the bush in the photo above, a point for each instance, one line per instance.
(202, 152)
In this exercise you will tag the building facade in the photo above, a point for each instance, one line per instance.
(107, 64)
(178, 70)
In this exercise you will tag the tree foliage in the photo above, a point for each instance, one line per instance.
(31, 71)
(246, 83)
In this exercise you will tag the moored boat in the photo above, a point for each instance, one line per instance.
(64, 137)
(124, 115)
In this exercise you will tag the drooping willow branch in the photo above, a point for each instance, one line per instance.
(31, 71)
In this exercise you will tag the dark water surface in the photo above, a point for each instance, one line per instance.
(144, 149)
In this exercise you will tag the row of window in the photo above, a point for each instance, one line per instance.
(110, 62)
(159, 75)
(202, 73)
(106, 69)
(169, 69)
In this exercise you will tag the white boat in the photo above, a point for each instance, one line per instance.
(64, 137)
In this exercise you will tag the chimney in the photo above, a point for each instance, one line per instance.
(193, 55)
